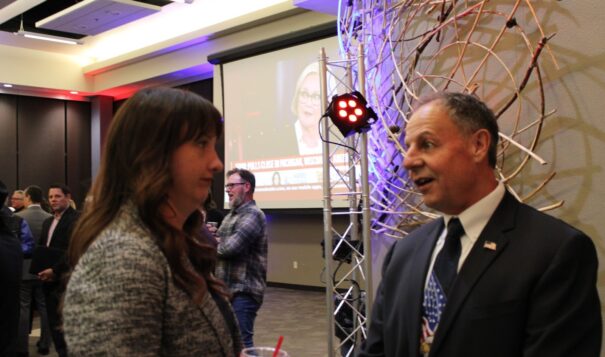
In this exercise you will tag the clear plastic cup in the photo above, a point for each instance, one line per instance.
(262, 352)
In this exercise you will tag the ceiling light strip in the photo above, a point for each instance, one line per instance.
(44, 37)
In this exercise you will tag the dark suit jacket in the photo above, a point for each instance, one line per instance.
(60, 238)
(534, 295)
(11, 260)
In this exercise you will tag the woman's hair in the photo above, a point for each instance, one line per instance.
(135, 167)
(310, 69)
(209, 202)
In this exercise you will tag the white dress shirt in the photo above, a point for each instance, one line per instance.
(473, 220)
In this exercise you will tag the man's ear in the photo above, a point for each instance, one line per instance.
(480, 143)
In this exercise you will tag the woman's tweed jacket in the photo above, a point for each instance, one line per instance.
(121, 300)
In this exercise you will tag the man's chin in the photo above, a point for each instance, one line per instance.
(429, 201)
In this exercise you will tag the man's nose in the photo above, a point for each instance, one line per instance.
(411, 159)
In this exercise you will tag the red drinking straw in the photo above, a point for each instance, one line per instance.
(276, 352)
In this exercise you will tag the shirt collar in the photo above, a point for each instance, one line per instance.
(475, 218)
(61, 214)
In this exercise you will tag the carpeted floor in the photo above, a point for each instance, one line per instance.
(298, 315)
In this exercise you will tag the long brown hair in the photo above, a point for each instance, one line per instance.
(135, 167)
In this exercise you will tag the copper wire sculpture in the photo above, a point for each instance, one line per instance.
(490, 48)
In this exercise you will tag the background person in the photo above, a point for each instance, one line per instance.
(50, 262)
(22, 231)
(242, 251)
(210, 211)
(17, 203)
(142, 284)
(512, 282)
(31, 286)
(276, 179)
(11, 260)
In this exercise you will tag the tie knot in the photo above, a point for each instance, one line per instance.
(454, 228)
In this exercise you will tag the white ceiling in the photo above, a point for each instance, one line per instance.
(105, 63)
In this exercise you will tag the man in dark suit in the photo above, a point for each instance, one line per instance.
(55, 235)
(31, 287)
(511, 281)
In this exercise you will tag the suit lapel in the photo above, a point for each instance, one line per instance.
(477, 262)
(415, 284)
(45, 229)
(62, 226)
(57, 232)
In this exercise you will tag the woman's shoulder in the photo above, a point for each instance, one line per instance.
(128, 230)
(124, 243)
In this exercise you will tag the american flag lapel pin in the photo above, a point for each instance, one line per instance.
(489, 245)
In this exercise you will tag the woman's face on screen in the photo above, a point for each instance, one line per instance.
(308, 106)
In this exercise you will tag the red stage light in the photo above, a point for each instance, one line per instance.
(350, 113)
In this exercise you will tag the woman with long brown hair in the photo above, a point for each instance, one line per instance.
(142, 281)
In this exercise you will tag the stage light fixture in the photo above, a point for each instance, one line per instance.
(350, 113)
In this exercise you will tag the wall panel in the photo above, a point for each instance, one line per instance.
(8, 141)
(78, 149)
(41, 137)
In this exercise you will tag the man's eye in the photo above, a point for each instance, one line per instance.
(427, 145)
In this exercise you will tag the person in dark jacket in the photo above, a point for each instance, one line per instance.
(55, 236)
(492, 276)
(11, 260)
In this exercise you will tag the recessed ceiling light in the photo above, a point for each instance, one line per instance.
(8, 85)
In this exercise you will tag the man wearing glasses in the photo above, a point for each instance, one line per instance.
(242, 251)
(17, 203)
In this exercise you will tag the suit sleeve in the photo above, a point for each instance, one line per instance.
(27, 239)
(564, 317)
(374, 344)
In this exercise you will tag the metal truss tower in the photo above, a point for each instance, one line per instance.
(347, 251)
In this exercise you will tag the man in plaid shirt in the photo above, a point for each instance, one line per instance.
(242, 251)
